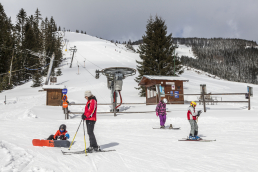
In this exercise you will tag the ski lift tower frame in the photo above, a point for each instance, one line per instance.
(115, 76)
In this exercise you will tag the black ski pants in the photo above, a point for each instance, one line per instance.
(90, 131)
(51, 137)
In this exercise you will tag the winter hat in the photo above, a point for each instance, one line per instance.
(87, 93)
(165, 101)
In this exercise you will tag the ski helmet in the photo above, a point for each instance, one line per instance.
(193, 104)
(63, 126)
(165, 101)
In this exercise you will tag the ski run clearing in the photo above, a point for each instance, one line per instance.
(139, 148)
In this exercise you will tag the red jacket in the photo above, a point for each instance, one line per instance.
(91, 110)
(58, 133)
(191, 113)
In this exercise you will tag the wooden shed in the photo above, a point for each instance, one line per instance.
(54, 94)
(170, 87)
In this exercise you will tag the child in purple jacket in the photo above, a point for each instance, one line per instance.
(161, 112)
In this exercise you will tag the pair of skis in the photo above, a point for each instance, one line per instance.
(83, 152)
(167, 128)
(199, 140)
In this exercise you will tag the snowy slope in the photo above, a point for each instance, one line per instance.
(138, 146)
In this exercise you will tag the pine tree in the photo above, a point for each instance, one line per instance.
(21, 20)
(156, 52)
(6, 41)
(37, 80)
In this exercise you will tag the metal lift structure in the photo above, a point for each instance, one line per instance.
(115, 76)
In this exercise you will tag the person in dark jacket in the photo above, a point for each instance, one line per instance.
(90, 115)
(61, 134)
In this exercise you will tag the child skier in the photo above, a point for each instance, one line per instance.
(192, 116)
(60, 134)
(161, 112)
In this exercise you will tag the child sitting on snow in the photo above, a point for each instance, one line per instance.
(161, 112)
(60, 134)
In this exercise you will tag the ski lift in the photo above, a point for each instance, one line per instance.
(115, 76)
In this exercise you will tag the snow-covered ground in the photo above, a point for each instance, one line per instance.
(184, 50)
(138, 146)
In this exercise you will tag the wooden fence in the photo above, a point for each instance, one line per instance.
(203, 101)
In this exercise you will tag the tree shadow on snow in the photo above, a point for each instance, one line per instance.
(109, 145)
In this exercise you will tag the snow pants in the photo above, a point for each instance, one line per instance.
(51, 137)
(194, 127)
(162, 120)
(90, 131)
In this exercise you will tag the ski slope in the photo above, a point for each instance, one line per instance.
(138, 146)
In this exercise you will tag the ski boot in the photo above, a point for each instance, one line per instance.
(198, 138)
(97, 149)
(162, 127)
(192, 138)
(92, 149)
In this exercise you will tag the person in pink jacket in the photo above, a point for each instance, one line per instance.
(161, 112)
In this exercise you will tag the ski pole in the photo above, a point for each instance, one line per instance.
(75, 135)
(84, 137)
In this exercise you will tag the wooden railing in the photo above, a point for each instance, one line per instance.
(202, 95)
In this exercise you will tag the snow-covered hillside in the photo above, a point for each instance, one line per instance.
(138, 146)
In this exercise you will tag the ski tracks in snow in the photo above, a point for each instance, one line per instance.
(13, 157)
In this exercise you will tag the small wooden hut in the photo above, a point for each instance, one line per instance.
(54, 94)
(169, 88)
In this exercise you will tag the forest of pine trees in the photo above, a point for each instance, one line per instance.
(227, 58)
(230, 59)
(25, 48)
(157, 52)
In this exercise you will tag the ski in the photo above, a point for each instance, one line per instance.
(83, 152)
(200, 140)
(167, 128)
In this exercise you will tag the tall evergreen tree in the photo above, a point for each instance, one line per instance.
(157, 52)
(21, 20)
(6, 41)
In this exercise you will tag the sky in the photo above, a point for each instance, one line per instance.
(122, 20)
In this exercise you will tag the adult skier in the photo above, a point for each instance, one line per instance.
(61, 134)
(192, 116)
(161, 112)
(90, 115)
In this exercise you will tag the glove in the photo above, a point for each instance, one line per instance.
(157, 113)
(83, 116)
(199, 113)
(67, 135)
(62, 137)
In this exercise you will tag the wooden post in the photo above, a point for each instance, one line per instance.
(65, 113)
(158, 91)
(249, 100)
(203, 99)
